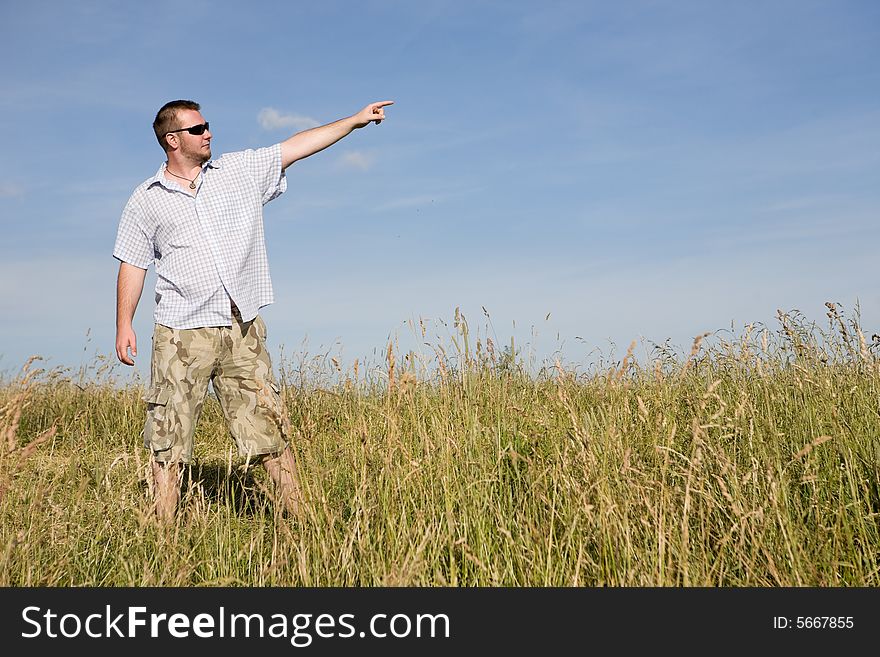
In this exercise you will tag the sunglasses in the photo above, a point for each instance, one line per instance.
(193, 129)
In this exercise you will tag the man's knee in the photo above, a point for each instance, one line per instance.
(275, 456)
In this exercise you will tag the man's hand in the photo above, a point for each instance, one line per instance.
(126, 338)
(308, 142)
(372, 112)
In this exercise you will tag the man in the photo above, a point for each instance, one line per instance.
(200, 222)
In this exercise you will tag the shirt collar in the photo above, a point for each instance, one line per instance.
(160, 179)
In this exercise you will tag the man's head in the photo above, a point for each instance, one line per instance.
(172, 127)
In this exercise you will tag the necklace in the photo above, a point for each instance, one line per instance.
(192, 183)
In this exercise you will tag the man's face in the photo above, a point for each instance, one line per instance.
(194, 148)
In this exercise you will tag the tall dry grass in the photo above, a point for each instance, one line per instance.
(753, 460)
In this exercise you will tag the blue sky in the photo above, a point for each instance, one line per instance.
(636, 170)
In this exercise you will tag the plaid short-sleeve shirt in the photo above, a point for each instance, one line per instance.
(209, 248)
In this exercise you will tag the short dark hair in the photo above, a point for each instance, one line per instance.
(166, 118)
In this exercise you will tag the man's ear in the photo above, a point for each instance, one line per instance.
(171, 140)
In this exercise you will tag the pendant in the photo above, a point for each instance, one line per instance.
(192, 185)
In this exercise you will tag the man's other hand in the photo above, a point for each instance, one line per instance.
(126, 338)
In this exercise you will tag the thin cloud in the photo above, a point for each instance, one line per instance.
(799, 204)
(406, 202)
(357, 160)
(10, 190)
(270, 118)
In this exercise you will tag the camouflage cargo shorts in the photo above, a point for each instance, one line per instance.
(235, 360)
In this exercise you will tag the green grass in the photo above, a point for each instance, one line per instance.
(752, 461)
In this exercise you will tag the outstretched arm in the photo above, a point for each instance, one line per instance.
(309, 142)
(129, 285)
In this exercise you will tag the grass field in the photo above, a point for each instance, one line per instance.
(754, 460)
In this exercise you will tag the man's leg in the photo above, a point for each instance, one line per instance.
(282, 470)
(180, 367)
(254, 408)
(166, 485)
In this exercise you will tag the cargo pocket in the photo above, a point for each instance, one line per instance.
(280, 410)
(260, 328)
(158, 430)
